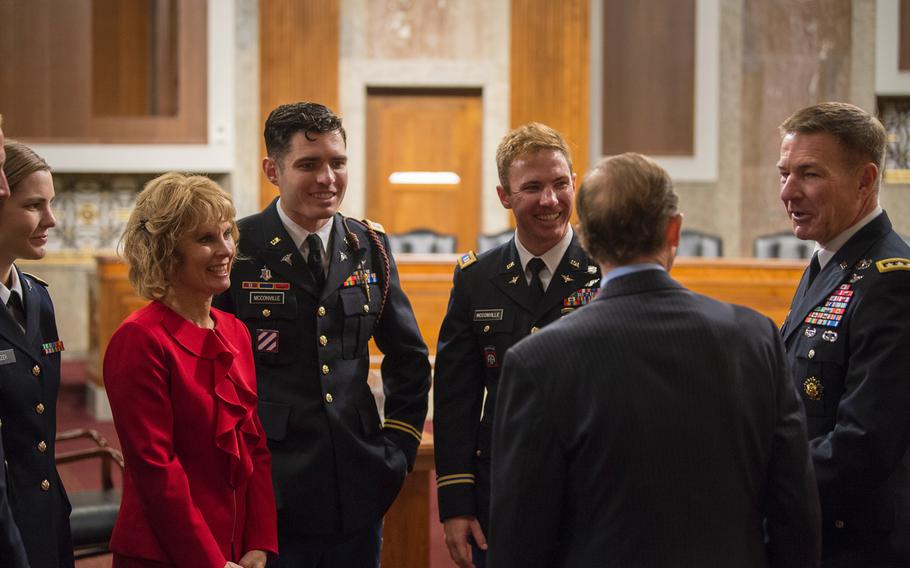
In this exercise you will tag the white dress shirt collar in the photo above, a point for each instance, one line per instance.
(825, 254)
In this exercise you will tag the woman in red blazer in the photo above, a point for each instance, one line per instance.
(182, 386)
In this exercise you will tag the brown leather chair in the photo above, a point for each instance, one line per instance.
(94, 511)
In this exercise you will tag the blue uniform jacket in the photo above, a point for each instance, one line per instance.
(336, 466)
(29, 380)
(848, 348)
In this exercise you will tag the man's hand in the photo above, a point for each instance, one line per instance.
(457, 530)
(253, 559)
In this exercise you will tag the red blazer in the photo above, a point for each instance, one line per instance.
(197, 484)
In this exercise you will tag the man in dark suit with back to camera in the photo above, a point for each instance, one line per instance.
(654, 427)
(313, 287)
(848, 333)
(498, 298)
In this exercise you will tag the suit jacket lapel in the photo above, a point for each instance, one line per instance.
(279, 252)
(344, 258)
(836, 271)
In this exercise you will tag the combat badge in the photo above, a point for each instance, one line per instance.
(489, 357)
(267, 340)
(810, 332)
(829, 336)
(813, 388)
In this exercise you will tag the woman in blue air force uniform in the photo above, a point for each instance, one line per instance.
(30, 365)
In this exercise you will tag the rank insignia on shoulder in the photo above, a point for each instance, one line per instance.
(813, 388)
(467, 259)
(52, 347)
(275, 241)
(891, 264)
(374, 225)
(36, 279)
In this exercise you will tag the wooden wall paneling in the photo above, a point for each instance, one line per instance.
(120, 57)
(904, 36)
(549, 70)
(648, 77)
(299, 50)
(425, 130)
(47, 51)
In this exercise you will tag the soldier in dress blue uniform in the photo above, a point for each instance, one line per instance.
(848, 333)
(313, 287)
(30, 365)
(498, 298)
(11, 548)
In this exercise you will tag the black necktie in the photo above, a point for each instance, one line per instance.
(15, 307)
(535, 265)
(314, 259)
(814, 268)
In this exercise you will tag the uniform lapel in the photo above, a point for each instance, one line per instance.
(845, 264)
(511, 278)
(344, 257)
(11, 331)
(573, 273)
(280, 254)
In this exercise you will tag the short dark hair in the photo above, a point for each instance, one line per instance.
(527, 139)
(862, 135)
(624, 206)
(289, 119)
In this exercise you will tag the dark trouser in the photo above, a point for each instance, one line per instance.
(478, 557)
(360, 549)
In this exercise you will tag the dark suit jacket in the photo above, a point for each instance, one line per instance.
(654, 427)
(29, 380)
(490, 309)
(853, 371)
(336, 466)
(12, 551)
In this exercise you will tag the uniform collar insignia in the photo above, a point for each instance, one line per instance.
(510, 265)
(566, 278)
(574, 263)
(514, 280)
(287, 258)
(341, 256)
(592, 269)
(275, 241)
(844, 266)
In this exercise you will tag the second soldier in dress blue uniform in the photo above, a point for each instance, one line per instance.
(498, 298)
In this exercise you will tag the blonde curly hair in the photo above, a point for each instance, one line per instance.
(169, 207)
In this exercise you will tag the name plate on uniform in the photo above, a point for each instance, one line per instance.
(266, 297)
(7, 356)
(488, 315)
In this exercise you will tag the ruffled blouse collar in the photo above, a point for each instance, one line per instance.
(235, 399)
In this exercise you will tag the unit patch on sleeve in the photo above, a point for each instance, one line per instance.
(832, 312)
(267, 340)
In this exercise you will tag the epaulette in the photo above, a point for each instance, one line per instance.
(467, 259)
(890, 264)
(36, 279)
(375, 226)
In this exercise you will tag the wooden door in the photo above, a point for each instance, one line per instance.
(432, 131)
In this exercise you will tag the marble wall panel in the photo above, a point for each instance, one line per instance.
(424, 29)
(795, 53)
